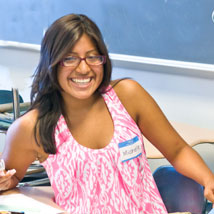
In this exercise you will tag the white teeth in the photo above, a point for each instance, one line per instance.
(81, 80)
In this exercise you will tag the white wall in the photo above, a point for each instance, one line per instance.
(182, 98)
(16, 68)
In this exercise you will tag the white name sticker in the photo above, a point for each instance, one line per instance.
(130, 149)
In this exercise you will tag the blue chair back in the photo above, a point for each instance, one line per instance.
(179, 193)
(6, 96)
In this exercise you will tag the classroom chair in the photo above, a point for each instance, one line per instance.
(179, 193)
(9, 108)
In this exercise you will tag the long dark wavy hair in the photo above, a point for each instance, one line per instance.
(58, 41)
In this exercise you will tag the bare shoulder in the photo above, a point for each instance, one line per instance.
(130, 90)
(25, 122)
(131, 94)
(22, 130)
(126, 87)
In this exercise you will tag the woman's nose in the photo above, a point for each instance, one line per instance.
(83, 67)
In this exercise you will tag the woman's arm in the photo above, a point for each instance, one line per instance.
(157, 129)
(19, 151)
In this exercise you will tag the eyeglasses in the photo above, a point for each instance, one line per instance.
(74, 61)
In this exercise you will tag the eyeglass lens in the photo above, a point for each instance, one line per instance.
(90, 60)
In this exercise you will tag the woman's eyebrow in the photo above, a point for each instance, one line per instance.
(88, 52)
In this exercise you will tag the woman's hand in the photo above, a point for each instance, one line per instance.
(6, 178)
(209, 189)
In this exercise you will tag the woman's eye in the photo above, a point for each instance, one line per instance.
(70, 58)
(92, 57)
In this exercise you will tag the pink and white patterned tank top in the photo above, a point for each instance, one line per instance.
(111, 180)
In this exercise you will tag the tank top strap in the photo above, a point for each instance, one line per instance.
(118, 112)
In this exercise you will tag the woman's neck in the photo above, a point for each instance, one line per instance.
(73, 107)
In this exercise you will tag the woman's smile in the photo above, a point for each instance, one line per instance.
(81, 82)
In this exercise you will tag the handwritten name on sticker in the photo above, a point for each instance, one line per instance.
(130, 149)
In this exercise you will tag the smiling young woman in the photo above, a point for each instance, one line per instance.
(86, 130)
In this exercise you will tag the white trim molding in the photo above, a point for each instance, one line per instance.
(163, 65)
(19, 45)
